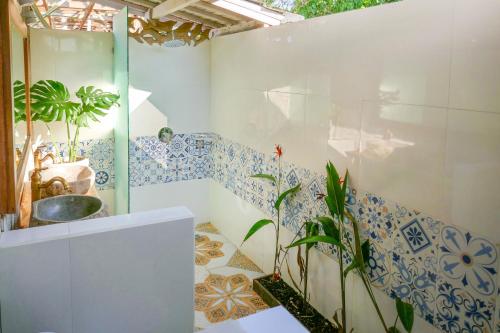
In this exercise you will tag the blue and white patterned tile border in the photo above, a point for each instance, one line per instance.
(448, 274)
(186, 157)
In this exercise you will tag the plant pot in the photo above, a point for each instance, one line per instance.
(80, 160)
(276, 293)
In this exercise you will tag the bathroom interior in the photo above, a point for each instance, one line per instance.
(244, 166)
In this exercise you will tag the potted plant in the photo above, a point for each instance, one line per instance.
(272, 288)
(51, 101)
(335, 229)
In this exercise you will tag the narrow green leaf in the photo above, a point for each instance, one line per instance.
(317, 239)
(265, 176)
(329, 226)
(405, 313)
(283, 195)
(357, 241)
(258, 225)
(332, 205)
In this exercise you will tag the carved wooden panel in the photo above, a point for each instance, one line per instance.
(159, 32)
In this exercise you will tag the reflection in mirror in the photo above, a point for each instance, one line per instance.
(19, 106)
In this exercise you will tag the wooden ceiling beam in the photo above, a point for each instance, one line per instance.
(170, 7)
(206, 5)
(244, 26)
(252, 10)
(88, 10)
(39, 16)
(46, 7)
(196, 19)
(209, 15)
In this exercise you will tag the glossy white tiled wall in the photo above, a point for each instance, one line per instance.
(405, 97)
(168, 86)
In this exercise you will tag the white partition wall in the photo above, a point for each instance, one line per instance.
(129, 273)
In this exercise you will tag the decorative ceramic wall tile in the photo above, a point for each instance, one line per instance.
(186, 157)
(467, 291)
(405, 244)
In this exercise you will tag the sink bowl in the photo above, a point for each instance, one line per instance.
(66, 208)
(80, 178)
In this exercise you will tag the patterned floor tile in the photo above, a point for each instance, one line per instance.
(223, 297)
(213, 250)
(207, 227)
(223, 280)
(239, 260)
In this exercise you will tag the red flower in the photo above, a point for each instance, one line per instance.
(276, 277)
(278, 151)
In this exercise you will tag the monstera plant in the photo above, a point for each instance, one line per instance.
(51, 101)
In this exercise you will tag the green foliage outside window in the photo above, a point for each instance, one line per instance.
(314, 8)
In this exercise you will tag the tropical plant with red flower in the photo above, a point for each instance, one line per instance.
(334, 233)
(277, 182)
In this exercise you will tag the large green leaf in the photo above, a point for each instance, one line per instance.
(405, 313)
(329, 226)
(19, 101)
(94, 104)
(283, 195)
(317, 239)
(265, 176)
(50, 101)
(97, 98)
(256, 227)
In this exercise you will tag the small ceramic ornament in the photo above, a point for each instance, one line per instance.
(165, 135)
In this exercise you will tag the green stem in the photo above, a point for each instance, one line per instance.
(342, 279)
(276, 253)
(68, 133)
(306, 271)
(75, 143)
(374, 301)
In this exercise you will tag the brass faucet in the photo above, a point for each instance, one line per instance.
(37, 185)
(39, 161)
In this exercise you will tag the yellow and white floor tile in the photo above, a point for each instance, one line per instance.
(223, 279)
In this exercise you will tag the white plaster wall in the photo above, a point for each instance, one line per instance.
(75, 58)
(405, 97)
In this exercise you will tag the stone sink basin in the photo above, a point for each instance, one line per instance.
(80, 178)
(66, 208)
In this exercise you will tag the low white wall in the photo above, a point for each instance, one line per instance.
(115, 274)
